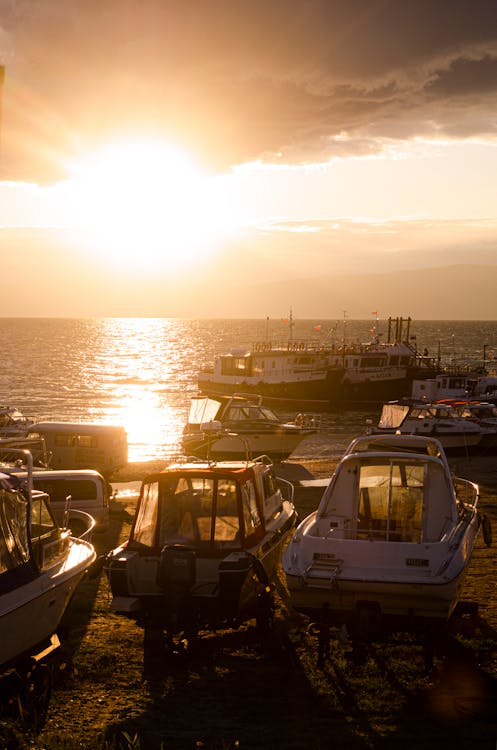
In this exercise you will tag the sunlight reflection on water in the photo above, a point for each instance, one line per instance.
(141, 372)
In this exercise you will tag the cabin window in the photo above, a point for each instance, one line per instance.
(65, 441)
(199, 510)
(146, 518)
(45, 537)
(273, 502)
(251, 516)
(58, 490)
(227, 527)
(391, 501)
(87, 441)
(13, 530)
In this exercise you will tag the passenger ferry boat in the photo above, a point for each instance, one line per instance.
(310, 374)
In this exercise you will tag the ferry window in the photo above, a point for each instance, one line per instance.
(146, 518)
(250, 511)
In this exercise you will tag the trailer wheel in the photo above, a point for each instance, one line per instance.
(265, 611)
(35, 692)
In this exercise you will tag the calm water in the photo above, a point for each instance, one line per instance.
(141, 372)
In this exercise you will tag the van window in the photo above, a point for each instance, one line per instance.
(59, 489)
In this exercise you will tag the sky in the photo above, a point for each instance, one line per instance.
(237, 159)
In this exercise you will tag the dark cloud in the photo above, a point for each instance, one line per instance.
(239, 80)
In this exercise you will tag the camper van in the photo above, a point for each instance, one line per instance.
(84, 445)
(87, 489)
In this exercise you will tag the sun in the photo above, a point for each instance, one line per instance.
(146, 202)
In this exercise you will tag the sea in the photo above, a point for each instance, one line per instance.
(142, 372)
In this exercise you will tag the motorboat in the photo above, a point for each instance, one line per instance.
(389, 544)
(439, 420)
(40, 566)
(203, 549)
(13, 423)
(484, 415)
(234, 427)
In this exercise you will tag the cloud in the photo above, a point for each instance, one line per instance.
(236, 81)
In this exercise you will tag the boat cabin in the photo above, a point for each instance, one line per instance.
(385, 498)
(207, 507)
(29, 542)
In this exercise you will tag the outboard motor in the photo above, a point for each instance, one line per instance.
(233, 571)
(176, 577)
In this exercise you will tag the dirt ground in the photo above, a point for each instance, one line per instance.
(236, 691)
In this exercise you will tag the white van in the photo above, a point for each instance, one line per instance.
(89, 491)
(83, 445)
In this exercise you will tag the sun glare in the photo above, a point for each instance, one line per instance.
(145, 203)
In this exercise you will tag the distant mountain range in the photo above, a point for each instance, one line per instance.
(457, 292)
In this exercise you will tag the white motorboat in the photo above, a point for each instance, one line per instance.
(203, 548)
(484, 415)
(236, 427)
(390, 542)
(13, 423)
(440, 421)
(40, 567)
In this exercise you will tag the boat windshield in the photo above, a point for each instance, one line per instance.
(250, 413)
(192, 510)
(391, 500)
(14, 548)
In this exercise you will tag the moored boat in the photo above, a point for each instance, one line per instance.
(238, 427)
(436, 420)
(389, 544)
(203, 548)
(13, 423)
(321, 374)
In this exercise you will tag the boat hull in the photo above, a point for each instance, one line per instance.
(277, 445)
(30, 614)
(209, 602)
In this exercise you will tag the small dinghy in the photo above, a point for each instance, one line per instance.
(389, 544)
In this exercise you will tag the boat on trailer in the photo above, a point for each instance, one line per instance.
(388, 547)
(41, 564)
(203, 550)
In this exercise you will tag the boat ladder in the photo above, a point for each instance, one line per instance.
(322, 571)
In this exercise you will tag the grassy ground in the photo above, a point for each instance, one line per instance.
(235, 690)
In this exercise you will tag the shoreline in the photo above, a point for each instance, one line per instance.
(479, 469)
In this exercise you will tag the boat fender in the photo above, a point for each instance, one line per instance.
(486, 528)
